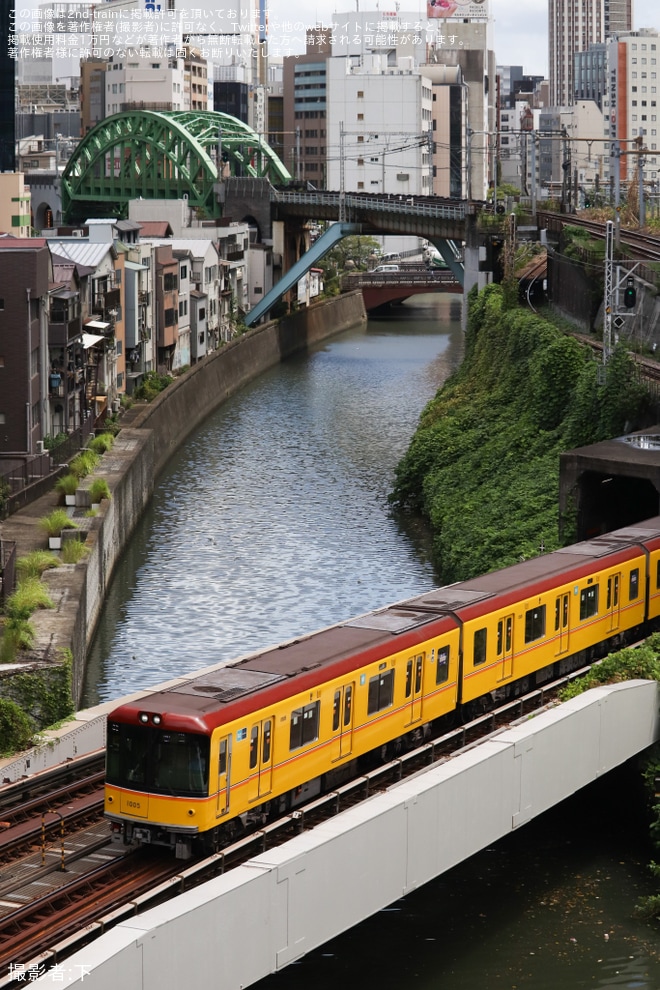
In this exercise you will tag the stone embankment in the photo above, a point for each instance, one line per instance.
(149, 435)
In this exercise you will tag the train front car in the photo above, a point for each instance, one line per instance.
(157, 775)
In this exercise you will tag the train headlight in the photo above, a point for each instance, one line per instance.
(143, 717)
(156, 719)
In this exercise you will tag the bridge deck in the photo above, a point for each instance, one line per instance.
(264, 915)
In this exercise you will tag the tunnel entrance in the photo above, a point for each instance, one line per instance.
(610, 502)
(609, 485)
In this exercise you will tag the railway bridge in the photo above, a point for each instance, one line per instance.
(259, 917)
(224, 169)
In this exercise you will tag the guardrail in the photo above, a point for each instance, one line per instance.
(380, 204)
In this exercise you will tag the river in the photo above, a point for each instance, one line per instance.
(273, 521)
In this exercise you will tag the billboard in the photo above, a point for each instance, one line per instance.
(470, 9)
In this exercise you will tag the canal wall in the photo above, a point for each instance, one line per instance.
(149, 436)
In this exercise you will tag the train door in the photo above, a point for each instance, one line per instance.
(613, 600)
(224, 775)
(562, 626)
(505, 646)
(260, 776)
(414, 678)
(342, 722)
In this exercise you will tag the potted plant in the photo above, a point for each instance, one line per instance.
(98, 490)
(53, 524)
(67, 486)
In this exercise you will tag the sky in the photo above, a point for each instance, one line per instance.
(520, 26)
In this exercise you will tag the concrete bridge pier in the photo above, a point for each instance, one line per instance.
(474, 263)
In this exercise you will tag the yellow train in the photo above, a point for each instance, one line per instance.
(189, 766)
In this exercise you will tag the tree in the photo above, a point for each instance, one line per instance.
(353, 248)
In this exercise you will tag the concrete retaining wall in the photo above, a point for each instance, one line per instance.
(255, 920)
(149, 436)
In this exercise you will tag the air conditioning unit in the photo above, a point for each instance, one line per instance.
(41, 447)
(77, 233)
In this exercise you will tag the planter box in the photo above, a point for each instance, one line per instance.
(54, 542)
(70, 499)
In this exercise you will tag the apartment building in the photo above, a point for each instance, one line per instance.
(631, 110)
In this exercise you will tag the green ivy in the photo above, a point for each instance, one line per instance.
(44, 696)
(16, 728)
(483, 465)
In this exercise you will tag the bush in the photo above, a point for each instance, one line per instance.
(84, 463)
(67, 484)
(16, 728)
(152, 385)
(73, 551)
(30, 595)
(34, 564)
(55, 522)
(99, 490)
(102, 443)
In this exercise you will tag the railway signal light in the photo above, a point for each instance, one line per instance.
(630, 293)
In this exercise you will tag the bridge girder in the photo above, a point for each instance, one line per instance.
(161, 155)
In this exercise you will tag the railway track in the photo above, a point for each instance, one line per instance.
(645, 246)
(95, 883)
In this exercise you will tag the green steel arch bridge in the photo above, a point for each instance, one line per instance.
(163, 154)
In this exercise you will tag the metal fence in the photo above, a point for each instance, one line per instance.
(7, 569)
(30, 478)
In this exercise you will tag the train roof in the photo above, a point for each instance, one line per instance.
(532, 577)
(226, 692)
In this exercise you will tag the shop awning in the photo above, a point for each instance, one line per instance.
(89, 339)
(96, 325)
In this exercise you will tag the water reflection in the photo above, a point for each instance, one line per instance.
(273, 521)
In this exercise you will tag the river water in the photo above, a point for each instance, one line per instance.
(272, 521)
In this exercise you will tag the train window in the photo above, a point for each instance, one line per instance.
(508, 640)
(222, 769)
(304, 725)
(254, 746)
(381, 691)
(534, 623)
(500, 637)
(408, 678)
(588, 602)
(418, 674)
(265, 755)
(612, 591)
(442, 670)
(348, 704)
(336, 705)
(479, 647)
(634, 584)
(657, 574)
(557, 613)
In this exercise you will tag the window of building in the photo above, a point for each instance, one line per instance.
(381, 691)
(183, 272)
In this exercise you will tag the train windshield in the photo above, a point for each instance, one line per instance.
(148, 759)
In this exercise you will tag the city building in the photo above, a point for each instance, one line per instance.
(379, 126)
(15, 205)
(631, 109)
(25, 275)
(574, 25)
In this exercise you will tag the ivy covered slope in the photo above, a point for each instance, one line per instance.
(483, 466)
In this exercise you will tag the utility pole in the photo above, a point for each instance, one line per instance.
(342, 177)
(609, 294)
